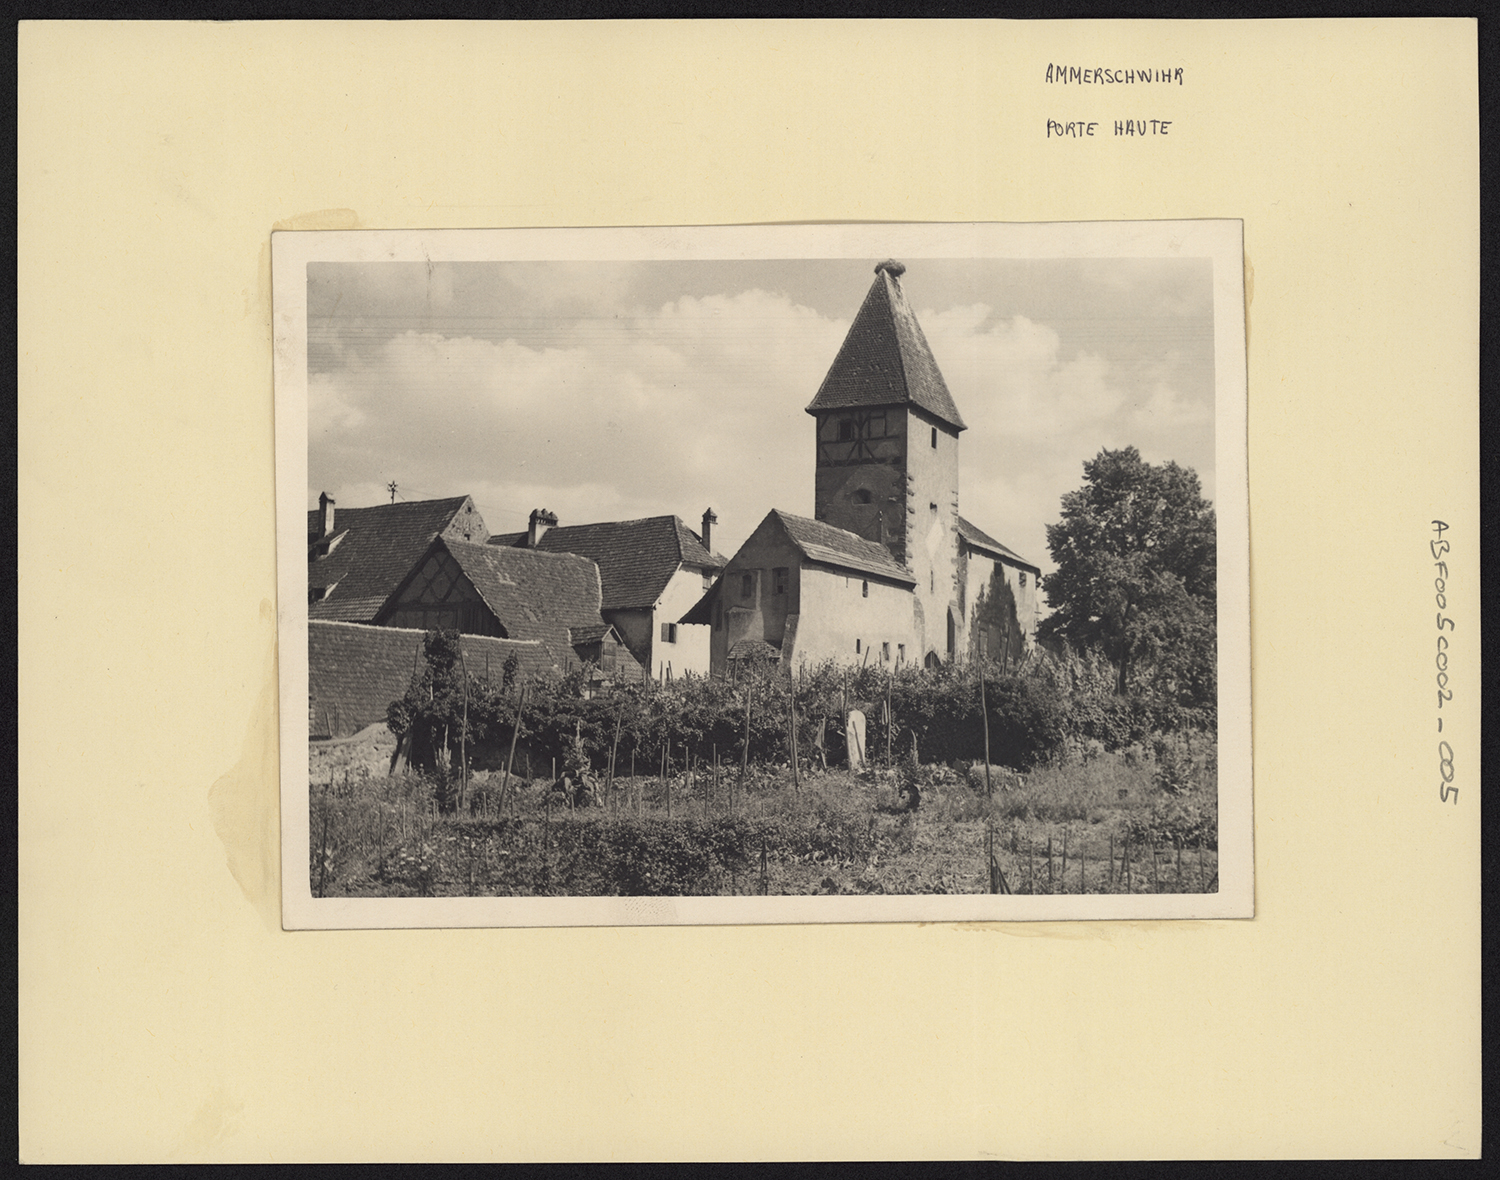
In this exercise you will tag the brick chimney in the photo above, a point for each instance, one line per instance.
(709, 520)
(325, 515)
(541, 521)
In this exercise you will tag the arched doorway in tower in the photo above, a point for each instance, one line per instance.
(952, 635)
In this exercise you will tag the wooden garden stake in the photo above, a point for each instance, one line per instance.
(1155, 880)
(745, 753)
(1064, 873)
(614, 749)
(463, 737)
(1111, 883)
(1049, 864)
(890, 718)
(791, 730)
(984, 712)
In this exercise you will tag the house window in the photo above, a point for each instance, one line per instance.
(856, 647)
(864, 589)
(779, 580)
(1023, 578)
(934, 437)
(669, 632)
(885, 651)
(708, 579)
(747, 585)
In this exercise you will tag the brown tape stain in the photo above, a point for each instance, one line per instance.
(216, 1120)
(320, 219)
(243, 803)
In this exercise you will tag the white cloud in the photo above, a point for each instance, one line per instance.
(599, 410)
(697, 404)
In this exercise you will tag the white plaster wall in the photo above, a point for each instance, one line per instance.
(833, 614)
(980, 567)
(691, 651)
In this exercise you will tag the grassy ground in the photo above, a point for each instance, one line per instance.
(1064, 829)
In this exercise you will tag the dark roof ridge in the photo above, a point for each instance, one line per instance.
(975, 535)
(830, 545)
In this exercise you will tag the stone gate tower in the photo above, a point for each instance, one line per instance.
(887, 454)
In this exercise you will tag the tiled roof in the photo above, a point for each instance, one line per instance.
(535, 594)
(885, 359)
(980, 539)
(374, 549)
(354, 671)
(588, 634)
(827, 545)
(636, 558)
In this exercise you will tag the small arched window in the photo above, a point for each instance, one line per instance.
(862, 496)
(864, 589)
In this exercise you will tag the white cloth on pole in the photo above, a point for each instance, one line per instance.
(855, 734)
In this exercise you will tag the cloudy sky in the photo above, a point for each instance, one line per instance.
(609, 391)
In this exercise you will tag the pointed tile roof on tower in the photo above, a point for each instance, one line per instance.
(885, 359)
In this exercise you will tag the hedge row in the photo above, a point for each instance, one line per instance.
(1033, 713)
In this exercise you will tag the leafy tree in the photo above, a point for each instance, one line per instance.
(435, 709)
(1135, 577)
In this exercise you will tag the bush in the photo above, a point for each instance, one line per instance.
(1177, 820)
(1055, 702)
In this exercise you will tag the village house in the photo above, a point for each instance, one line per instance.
(651, 571)
(357, 556)
(379, 578)
(857, 598)
(932, 587)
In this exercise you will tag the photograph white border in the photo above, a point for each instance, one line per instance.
(1221, 241)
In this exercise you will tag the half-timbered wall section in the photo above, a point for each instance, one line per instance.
(440, 596)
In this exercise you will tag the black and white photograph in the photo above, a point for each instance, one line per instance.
(765, 574)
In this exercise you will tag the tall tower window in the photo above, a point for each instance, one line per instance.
(862, 496)
(934, 436)
(747, 585)
(864, 589)
(846, 429)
